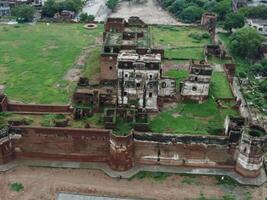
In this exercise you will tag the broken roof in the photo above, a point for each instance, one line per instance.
(195, 89)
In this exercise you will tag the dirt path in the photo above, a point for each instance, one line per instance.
(44, 183)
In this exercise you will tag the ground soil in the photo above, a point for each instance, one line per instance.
(44, 183)
(149, 11)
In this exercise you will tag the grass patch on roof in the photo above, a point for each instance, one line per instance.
(179, 75)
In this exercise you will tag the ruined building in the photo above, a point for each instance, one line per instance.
(196, 86)
(209, 20)
(140, 81)
(122, 35)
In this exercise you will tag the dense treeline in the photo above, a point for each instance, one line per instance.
(51, 7)
(191, 10)
(254, 12)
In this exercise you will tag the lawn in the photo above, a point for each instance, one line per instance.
(35, 58)
(191, 118)
(184, 43)
(220, 86)
(173, 36)
(195, 53)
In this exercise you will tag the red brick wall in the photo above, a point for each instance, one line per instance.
(199, 155)
(121, 152)
(64, 144)
(3, 104)
(6, 151)
(116, 25)
(108, 67)
(18, 107)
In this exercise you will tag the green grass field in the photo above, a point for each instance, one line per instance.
(35, 58)
(178, 42)
(191, 118)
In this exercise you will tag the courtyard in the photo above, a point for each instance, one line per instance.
(48, 70)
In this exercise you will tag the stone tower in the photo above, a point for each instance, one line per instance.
(251, 150)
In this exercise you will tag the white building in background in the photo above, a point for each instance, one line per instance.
(259, 24)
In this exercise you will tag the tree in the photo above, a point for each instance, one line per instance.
(246, 42)
(234, 20)
(191, 14)
(254, 12)
(24, 13)
(111, 4)
(84, 17)
(210, 5)
(70, 5)
(222, 8)
(49, 9)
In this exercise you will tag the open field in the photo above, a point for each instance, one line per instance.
(35, 58)
(44, 183)
(180, 42)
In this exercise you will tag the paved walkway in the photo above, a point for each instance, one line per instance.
(152, 168)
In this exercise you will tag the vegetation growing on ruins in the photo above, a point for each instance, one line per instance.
(246, 70)
(35, 59)
(189, 117)
(179, 75)
(220, 86)
(157, 176)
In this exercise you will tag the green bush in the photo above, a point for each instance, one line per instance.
(111, 4)
(246, 42)
(51, 7)
(23, 13)
(84, 17)
(17, 187)
(191, 14)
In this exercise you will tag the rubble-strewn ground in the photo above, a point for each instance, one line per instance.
(44, 183)
(149, 11)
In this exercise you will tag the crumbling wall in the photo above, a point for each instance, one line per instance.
(6, 151)
(121, 152)
(82, 145)
(167, 87)
(3, 103)
(182, 150)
